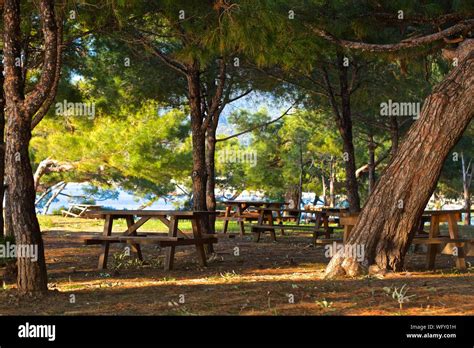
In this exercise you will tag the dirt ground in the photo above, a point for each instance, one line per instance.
(266, 278)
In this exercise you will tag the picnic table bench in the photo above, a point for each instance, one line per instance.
(241, 211)
(80, 210)
(174, 238)
(266, 223)
(432, 239)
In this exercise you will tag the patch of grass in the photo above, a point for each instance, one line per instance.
(55, 222)
(229, 275)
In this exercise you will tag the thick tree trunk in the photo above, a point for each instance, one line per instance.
(199, 173)
(392, 213)
(32, 278)
(2, 152)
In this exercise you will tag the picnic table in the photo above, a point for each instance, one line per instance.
(433, 238)
(80, 210)
(241, 210)
(170, 218)
(334, 213)
(266, 222)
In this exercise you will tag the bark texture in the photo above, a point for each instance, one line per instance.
(32, 277)
(392, 212)
(2, 151)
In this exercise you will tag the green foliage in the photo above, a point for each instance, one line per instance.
(143, 152)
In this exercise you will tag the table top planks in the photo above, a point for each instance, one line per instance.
(253, 203)
(150, 213)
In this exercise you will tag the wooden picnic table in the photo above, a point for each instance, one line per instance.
(80, 210)
(239, 211)
(332, 212)
(169, 218)
(266, 222)
(433, 238)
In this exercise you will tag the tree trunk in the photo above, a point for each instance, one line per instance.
(300, 181)
(199, 173)
(343, 119)
(390, 217)
(467, 173)
(2, 152)
(467, 206)
(32, 278)
(394, 136)
(332, 180)
(211, 180)
(325, 198)
(8, 223)
(371, 164)
(291, 196)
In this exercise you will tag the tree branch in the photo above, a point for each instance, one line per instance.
(464, 26)
(57, 76)
(50, 32)
(260, 125)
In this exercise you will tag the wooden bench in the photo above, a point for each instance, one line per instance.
(240, 212)
(432, 239)
(174, 238)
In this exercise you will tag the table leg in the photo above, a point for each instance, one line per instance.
(261, 218)
(134, 246)
(172, 232)
(454, 234)
(227, 214)
(432, 249)
(317, 223)
(199, 246)
(325, 218)
(280, 221)
(240, 213)
(272, 230)
(105, 244)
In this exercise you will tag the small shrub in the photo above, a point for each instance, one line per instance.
(124, 261)
(400, 295)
